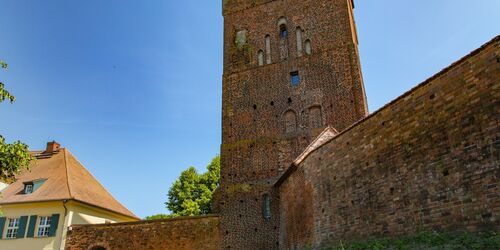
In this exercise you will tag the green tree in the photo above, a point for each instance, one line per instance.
(4, 94)
(159, 217)
(16, 156)
(191, 194)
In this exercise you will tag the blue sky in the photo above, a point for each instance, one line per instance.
(133, 88)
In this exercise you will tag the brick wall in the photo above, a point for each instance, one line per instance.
(258, 141)
(175, 234)
(428, 160)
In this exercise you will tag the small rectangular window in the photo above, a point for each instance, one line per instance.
(28, 189)
(44, 226)
(295, 78)
(12, 228)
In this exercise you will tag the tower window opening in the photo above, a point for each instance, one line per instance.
(283, 43)
(266, 207)
(283, 31)
(295, 78)
(299, 41)
(268, 49)
(261, 58)
(308, 47)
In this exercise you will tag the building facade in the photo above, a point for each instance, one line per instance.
(58, 192)
(290, 69)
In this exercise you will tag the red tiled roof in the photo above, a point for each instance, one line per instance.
(66, 179)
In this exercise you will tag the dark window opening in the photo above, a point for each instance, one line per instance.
(266, 207)
(295, 78)
(283, 31)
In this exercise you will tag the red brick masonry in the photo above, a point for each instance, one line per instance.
(183, 233)
(428, 160)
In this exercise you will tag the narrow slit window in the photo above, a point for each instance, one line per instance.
(308, 47)
(260, 57)
(268, 49)
(266, 207)
(299, 41)
(295, 78)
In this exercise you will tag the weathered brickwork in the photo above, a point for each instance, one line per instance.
(268, 116)
(175, 234)
(428, 160)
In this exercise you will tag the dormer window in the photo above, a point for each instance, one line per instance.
(31, 186)
(28, 188)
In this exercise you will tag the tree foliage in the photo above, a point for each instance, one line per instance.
(159, 217)
(13, 158)
(4, 94)
(16, 156)
(191, 194)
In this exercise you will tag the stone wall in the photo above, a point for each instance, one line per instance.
(175, 234)
(428, 160)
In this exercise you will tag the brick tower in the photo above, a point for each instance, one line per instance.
(291, 67)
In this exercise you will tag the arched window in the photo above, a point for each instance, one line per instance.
(283, 33)
(266, 206)
(299, 41)
(308, 47)
(241, 38)
(268, 49)
(283, 29)
(260, 57)
(290, 121)
(315, 117)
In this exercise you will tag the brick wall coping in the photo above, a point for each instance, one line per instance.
(224, 12)
(294, 166)
(148, 221)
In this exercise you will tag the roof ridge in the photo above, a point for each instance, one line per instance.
(67, 170)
